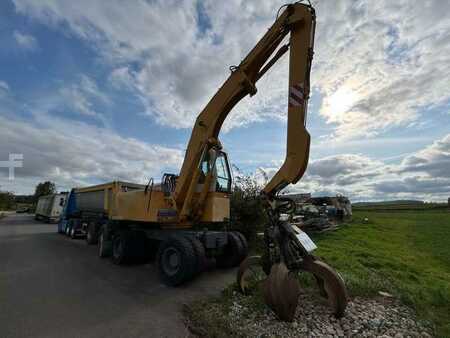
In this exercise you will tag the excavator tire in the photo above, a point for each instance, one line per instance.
(244, 244)
(177, 261)
(233, 253)
(200, 255)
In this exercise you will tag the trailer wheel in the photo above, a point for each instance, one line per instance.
(91, 234)
(122, 247)
(200, 255)
(244, 244)
(104, 246)
(233, 253)
(69, 226)
(73, 233)
(176, 260)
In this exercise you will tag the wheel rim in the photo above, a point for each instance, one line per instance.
(171, 261)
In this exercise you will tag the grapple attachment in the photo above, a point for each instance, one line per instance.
(281, 289)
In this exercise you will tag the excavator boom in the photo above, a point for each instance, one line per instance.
(298, 21)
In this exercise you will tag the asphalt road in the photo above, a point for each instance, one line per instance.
(52, 286)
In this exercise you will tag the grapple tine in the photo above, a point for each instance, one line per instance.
(330, 283)
(281, 291)
(246, 264)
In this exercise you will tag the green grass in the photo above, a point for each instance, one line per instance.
(404, 253)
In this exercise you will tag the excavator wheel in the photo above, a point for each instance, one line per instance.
(233, 253)
(331, 285)
(200, 255)
(177, 261)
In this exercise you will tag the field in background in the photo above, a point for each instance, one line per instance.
(400, 206)
(403, 252)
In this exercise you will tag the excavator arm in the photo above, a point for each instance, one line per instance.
(298, 21)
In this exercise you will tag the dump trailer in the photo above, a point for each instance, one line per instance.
(91, 205)
(50, 207)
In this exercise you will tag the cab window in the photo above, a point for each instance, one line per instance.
(223, 183)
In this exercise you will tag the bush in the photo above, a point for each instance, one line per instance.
(6, 200)
(247, 211)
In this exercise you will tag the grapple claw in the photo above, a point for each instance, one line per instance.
(281, 291)
(331, 284)
(246, 275)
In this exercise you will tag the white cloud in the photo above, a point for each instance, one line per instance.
(373, 64)
(434, 160)
(4, 86)
(82, 95)
(26, 41)
(4, 90)
(379, 63)
(73, 154)
(422, 175)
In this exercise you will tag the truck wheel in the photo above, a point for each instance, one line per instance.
(91, 234)
(68, 227)
(73, 234)
(176, 260)
(232, 254)
(200, 255)
(104, 246)
(122, 247)
(244, 244)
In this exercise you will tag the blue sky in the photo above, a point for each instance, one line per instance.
(96, 91)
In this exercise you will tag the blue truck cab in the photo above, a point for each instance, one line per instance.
(70, 208)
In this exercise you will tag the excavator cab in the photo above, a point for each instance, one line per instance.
(215, 162)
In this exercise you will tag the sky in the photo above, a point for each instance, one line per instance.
(93, 91)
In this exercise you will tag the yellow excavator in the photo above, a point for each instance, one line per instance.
(186, 217)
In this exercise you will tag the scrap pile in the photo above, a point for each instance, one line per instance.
(320, 214)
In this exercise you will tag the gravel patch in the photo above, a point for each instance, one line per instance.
(379, 317)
